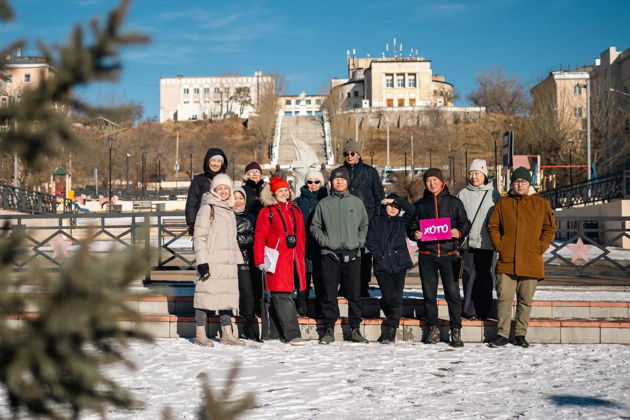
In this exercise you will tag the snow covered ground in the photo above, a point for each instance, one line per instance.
(374, 381)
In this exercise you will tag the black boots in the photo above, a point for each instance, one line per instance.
(456, 337)
(434, 336)
(251, 330)
(388, 336)
(500, 341)
(302, 303)
(520, 341)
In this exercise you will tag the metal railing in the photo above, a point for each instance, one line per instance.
(588, 192)
(30, 201)
(168, 238)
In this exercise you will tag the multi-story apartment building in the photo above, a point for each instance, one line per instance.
(391, 82)
(201, 98)
(22, 72)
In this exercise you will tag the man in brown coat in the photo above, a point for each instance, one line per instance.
(521, 228)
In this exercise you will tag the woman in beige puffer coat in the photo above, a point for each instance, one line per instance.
(218, 256)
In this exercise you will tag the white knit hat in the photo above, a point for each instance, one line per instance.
(314, 173)
(479, 165)
(222, 179)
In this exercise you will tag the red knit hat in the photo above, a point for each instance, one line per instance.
(276, 183)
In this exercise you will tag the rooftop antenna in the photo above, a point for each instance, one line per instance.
(386, 47)
(401, 49)
(395, 54)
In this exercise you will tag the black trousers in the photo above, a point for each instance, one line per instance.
(348, 275)
(245, 291)
(282, 310)
(257, 288)
(477, 281)
(314, 280)
(366, 272)
(392, 285)
(430, 267)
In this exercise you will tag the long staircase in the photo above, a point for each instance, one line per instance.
(306, 128)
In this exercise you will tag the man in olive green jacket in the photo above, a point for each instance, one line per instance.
(340, 225)
(521, 227)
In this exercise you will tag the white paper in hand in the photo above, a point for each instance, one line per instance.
(271, 259)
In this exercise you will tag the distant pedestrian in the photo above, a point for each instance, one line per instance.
(245, 235)
(340, 226)
(218, 256)
(387, 241)
(280, 226)
(479, 198)
(436, 257)
(365, 184)
(253, 186)
(310, 194)
(215, 162)
(521, 227)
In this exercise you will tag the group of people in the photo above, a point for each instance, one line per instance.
(332, 240)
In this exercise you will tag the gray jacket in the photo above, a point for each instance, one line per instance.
(340, 222)
(471, 197)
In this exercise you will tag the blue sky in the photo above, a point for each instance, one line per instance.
(307, 41)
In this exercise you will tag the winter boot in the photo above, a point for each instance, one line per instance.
(434, 335)
(388, 336)
(500, 341)
(456, 337)
(201, 338)
(328, 337)
(251, 330)
(356, 337)
(298, 341)
(228, 338)
(520, 341)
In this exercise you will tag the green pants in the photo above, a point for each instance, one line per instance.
(524, 288)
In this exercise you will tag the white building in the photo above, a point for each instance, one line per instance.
(202, 98)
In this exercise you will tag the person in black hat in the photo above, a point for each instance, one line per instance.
(364, 183)
(436, 257)
(387, 241)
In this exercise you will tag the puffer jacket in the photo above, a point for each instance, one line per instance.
(252, 202)
(200, 185)
(215, 244)
(436, 206)
(245, 234)
(521, 229)
(366, 184)
(340, 223)
(308, 202)
(270, 232)
(387, 239)
(472, 197)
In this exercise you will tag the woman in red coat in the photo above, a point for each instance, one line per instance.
(280, 225)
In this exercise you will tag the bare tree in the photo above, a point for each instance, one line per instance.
(241, 96)
(499, 93)
(263, 124)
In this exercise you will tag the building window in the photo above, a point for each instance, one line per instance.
(577, 89)
(217, 90)
(27, 78)
(309, 113)
(401, 101)
(206, 100)
(288, 113)
(308, 102)
(196, 101)
(348, 94)
(390, 102)
(400, 81)
(186, 91)
(9, 78)
(227, 90)
(411, 80)
(186, 101)
(318, 101)
(196, 91)
(287, 102)
(389, 80)
(412, 101)
(206, 90)
(578, 112)
(193, 117)
(356, 93)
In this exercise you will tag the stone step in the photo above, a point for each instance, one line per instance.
(543, 331)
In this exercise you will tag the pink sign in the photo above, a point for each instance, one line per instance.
(435, 229)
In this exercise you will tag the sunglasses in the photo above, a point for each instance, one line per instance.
(351, 154)
(313, 182)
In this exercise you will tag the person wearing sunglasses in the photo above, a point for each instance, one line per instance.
(521, 228)
(310, 194)
(365, 184)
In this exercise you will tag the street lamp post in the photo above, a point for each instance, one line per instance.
(191, 168)
(372, 158)
(110, 139)
(142, 183)
(466, 154)
(570, 143)
(405, 164)
(588, 127)
(159, 172)
(127, 156)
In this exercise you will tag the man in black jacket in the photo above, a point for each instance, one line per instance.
(215, 162)
(365, 184)
(438, 256)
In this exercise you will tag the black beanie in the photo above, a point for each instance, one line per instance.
(433, 172)
(340, 172)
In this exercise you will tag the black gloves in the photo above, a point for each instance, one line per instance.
(204, 271)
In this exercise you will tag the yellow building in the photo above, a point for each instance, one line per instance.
(22, 72)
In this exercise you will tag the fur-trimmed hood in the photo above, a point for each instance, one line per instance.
(266, 196)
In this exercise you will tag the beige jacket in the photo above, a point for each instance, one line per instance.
(215, 244)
